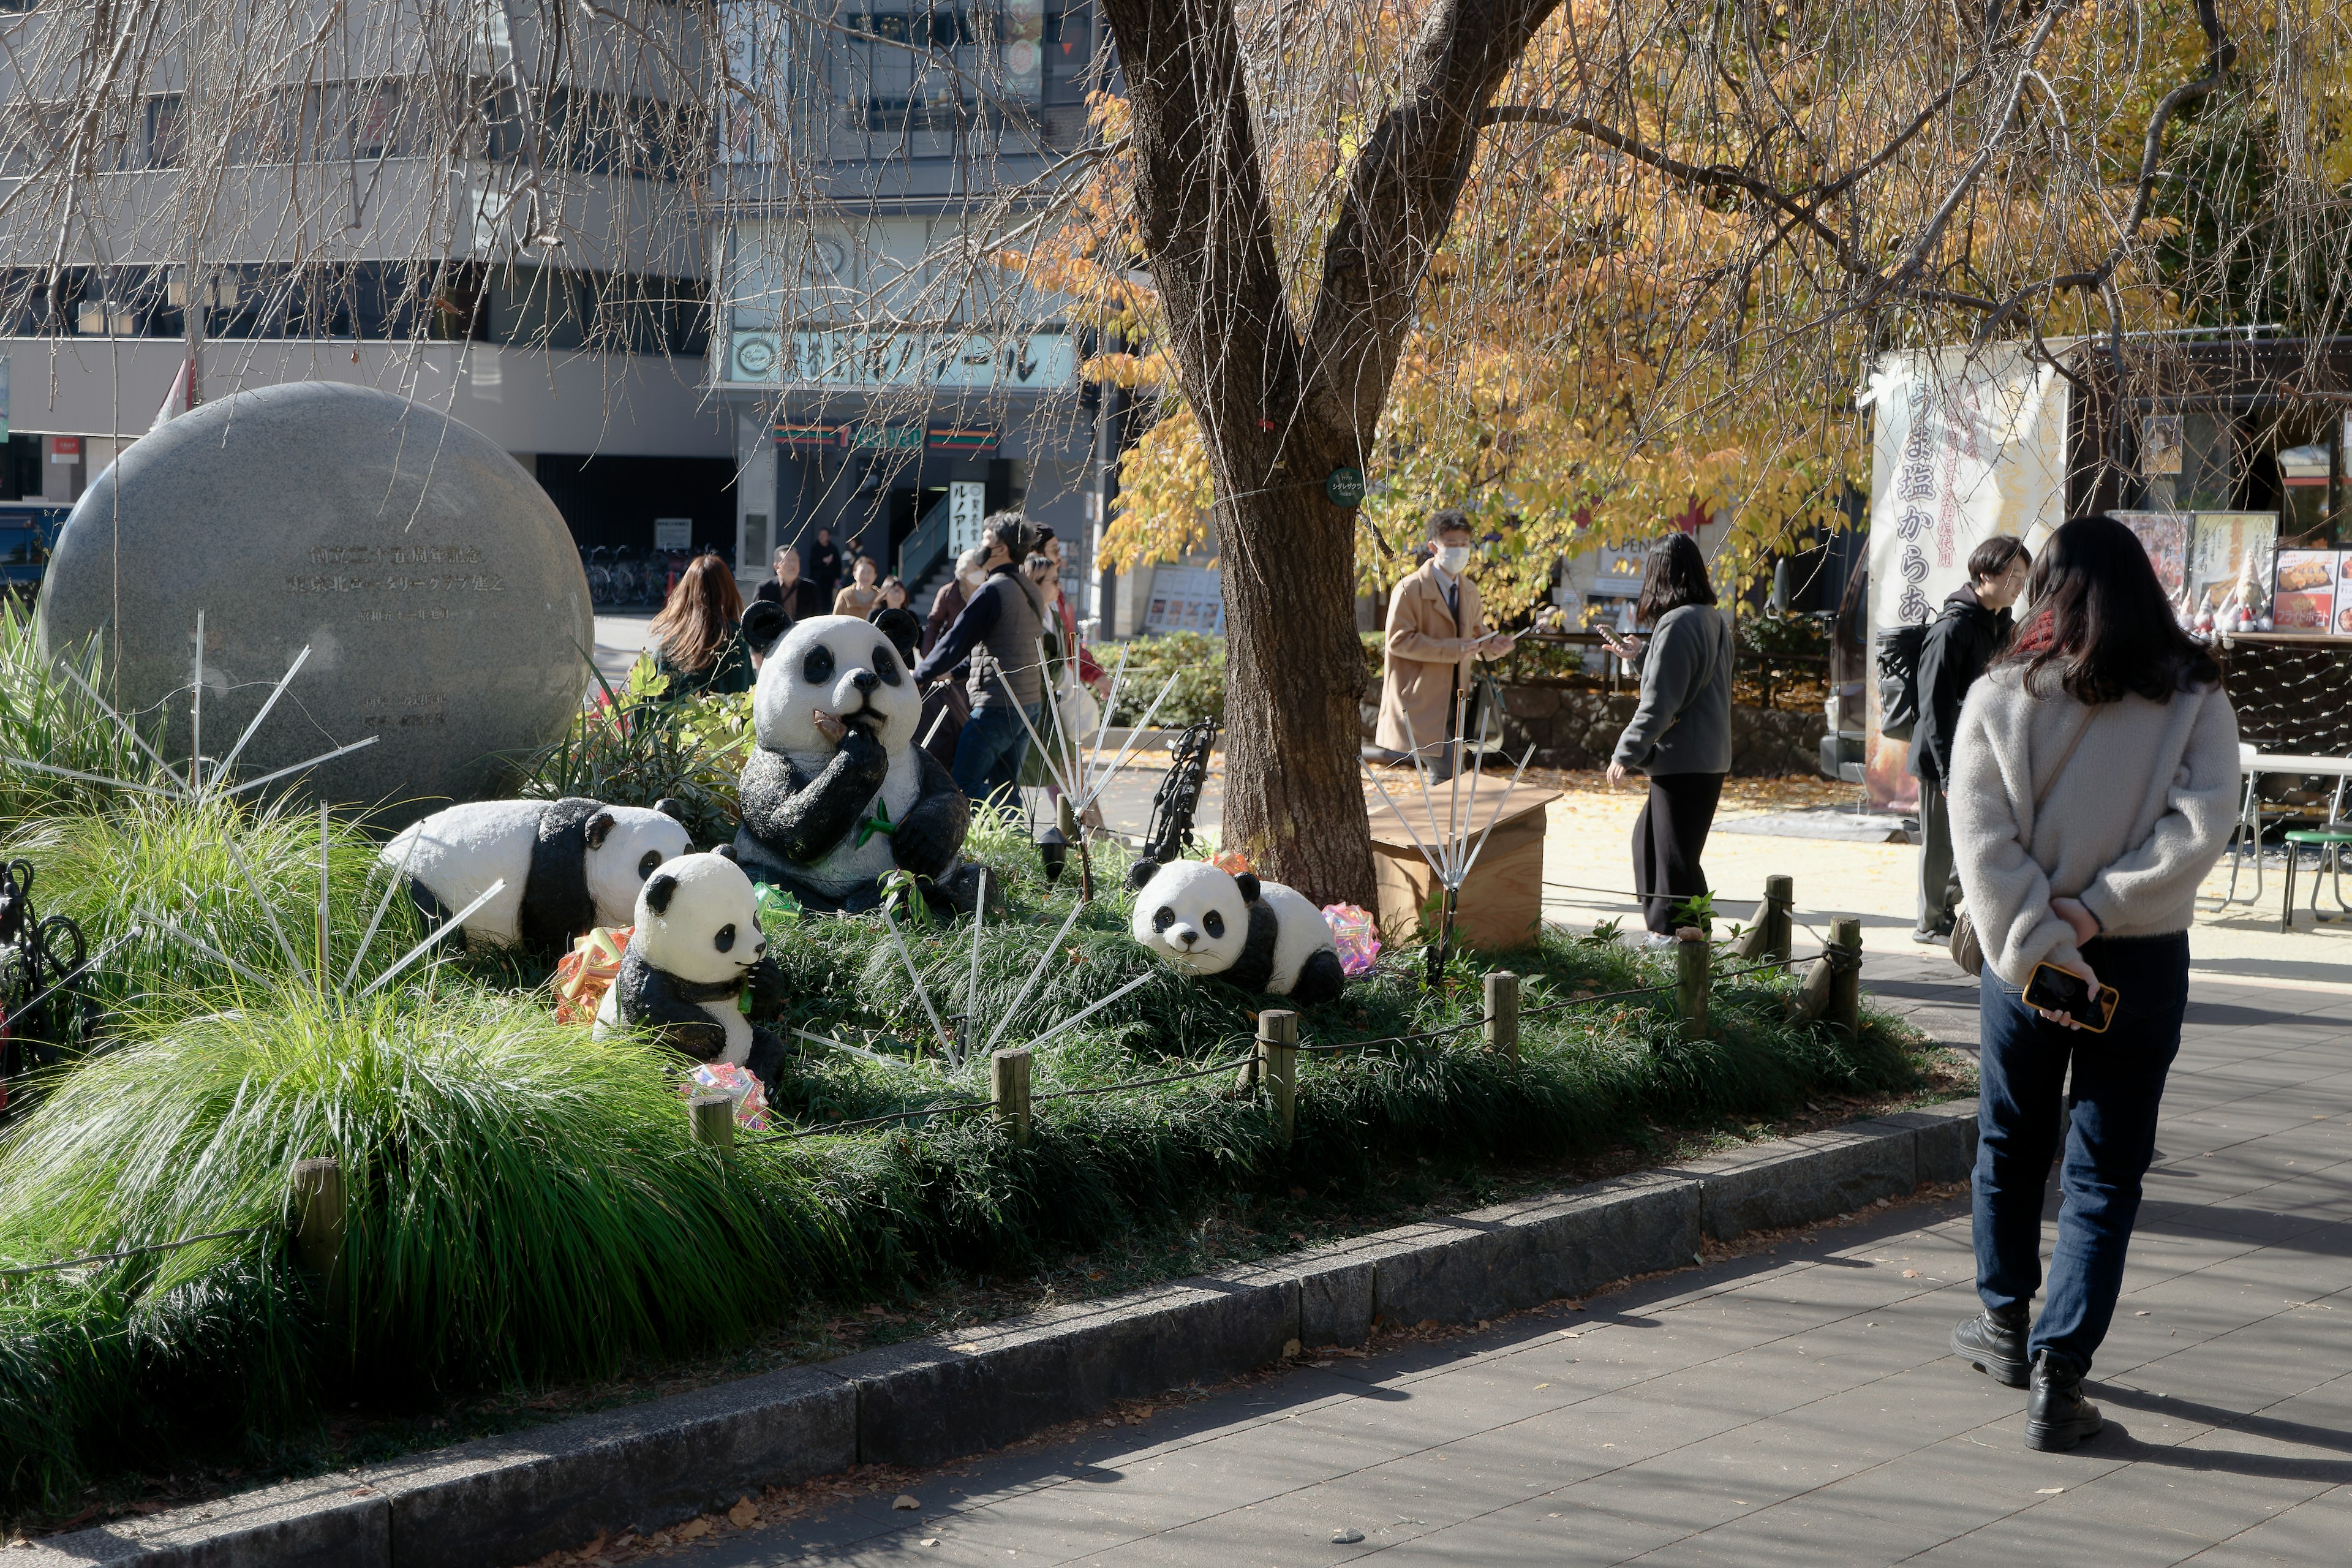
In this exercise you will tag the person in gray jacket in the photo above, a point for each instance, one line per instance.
(2094, 782)
(1681, 733)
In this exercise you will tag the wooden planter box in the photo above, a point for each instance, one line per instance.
(1501, 906)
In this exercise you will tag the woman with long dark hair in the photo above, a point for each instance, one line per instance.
(697, 640)
(1680, 732)
(2094, 782)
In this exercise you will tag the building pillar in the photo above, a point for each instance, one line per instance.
(756, 524)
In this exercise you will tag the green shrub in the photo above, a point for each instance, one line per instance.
(634, 746)
(524, 1202)
(1196, 659)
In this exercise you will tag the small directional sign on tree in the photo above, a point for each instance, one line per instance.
(1345, 487)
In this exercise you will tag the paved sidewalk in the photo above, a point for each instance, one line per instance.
(1794, 1408)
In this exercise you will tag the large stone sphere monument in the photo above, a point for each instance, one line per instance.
(436, 585)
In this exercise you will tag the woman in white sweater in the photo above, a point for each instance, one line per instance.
(2094, 782)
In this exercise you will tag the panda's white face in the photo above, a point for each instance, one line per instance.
(844, 667)
(626, 844)
(700, 919)
(1193, 916)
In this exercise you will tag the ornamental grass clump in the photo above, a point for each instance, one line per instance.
(523, 1203)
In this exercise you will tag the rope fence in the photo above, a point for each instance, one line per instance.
(1830, 993)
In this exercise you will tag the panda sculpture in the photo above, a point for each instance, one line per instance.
(837, 795)
(1262, 936)
(569, 865)
(695, 949)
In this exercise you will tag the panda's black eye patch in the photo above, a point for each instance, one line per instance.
(1213, 923)
(886, 664)
(817, 668)
(645, 867)
(1164, 918)
(725, 938)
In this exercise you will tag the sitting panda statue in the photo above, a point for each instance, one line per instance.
(569, 865)
(837, 795)
(696, 948)
(1261, 936)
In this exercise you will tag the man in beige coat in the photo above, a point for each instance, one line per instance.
(1436, 634)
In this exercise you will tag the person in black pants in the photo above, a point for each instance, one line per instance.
(825, 567)
(1680, 732)
(1970, 632)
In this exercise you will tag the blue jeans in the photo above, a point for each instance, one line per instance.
(2110, 1136)
(989, 752)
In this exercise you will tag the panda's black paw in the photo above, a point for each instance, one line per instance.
(960, 889)
(1320, 979)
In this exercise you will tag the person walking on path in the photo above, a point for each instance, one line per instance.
(999, 631)
(697, 640)
(972, 571)
(798, 596)
(1436, 633)
(824, 563)
(2094, 782)
(861, 595)
(1680, 734)
(1974, 625)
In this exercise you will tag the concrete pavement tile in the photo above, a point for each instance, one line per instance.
(1545, 1530)
(2311, 1532)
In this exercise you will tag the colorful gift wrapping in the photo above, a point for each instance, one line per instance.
(1232, 862)
(739, 1085)
(586, 973)
(1358, 934)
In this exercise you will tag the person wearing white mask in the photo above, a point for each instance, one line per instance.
(972, 571)
(1437, 632)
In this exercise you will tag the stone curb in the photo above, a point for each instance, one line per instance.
(504, 1500)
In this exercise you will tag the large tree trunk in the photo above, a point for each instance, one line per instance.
(1280, 408)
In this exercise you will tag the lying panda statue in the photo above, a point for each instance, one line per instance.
(837, 795)
(569, 865)
(1261, 936)
(695, 949)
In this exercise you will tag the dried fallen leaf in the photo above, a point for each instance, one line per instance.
(906, 1502)
(694, 1529)
(1910, 1274)
(744, 1515)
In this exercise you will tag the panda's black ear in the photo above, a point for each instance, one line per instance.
(1140, 874)
(658, 891)
(598, 828)
(1248, 885)
(672, 808)
(765, 623)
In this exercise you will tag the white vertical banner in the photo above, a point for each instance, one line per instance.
(1966, 443)
(967, 509)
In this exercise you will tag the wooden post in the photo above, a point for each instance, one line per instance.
(1772, 938)
(1008, 1089)
(1692, 962)
(714, 1120)
(318, 1224)
(1845, 974)
(1278, 1055)
(1503, 1015)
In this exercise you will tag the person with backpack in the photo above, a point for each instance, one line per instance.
(1957, 648)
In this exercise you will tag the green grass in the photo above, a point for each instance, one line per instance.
(46, 719)
(525, 1204)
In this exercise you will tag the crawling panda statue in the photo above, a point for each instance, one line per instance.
(695, 949)
(837, 795)
(1261, 936)
(569, 865)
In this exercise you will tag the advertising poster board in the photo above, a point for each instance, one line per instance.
(2221, 546)
(1965, 445)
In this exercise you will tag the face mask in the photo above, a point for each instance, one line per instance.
(1452, 558)
(973, 579)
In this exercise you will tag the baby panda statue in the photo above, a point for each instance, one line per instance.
(569, 865)
(1261, 936)
(837, 795)
(695, 949)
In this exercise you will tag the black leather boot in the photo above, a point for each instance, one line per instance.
(2057, 1416)
(1994, 1344)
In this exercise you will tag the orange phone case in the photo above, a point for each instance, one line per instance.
(2106, 994)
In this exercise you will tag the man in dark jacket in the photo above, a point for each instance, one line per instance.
(1971, 630)
(798, 596)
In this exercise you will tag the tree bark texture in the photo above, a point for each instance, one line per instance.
(1280, 408)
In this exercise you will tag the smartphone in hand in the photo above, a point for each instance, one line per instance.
(2056, 990)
